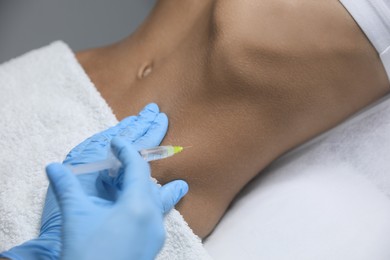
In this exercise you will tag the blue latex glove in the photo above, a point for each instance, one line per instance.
(145, 130)
(130, 228)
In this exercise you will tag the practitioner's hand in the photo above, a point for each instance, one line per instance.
(130, 228)
(145, 130)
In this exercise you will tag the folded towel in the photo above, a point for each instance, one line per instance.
(49, 105)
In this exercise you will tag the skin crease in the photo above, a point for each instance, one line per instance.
(242, 82)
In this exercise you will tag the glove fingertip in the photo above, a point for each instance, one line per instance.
(155, 134)
(183, 188)
(54, 169)
(127, 121)
(66, 186)
(161, 119)
(172, 193)
(152, 107)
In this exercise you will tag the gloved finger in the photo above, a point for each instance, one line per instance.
(93, 146)
(155, 134)
(126, 122)
(78, 149)
(50, 212)
(123, 124)
(153, 137)
(66, 187)
(171, 193)
(88, 183)
(104, 137)
(136, 170)
(100, 202)
(130, 121)
(104, 177)
(142, 124)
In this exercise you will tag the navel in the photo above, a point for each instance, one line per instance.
(145, 70)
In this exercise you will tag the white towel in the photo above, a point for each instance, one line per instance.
(47, 106)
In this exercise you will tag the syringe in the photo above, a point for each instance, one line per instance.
(113, 164)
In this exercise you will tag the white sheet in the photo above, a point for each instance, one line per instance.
(373, 17)
(328, 199)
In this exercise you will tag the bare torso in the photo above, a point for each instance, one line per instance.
(242, 82)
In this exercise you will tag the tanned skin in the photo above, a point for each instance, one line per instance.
(242, 82)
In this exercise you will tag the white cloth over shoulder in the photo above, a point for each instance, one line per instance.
(49, 105)
(373, 17)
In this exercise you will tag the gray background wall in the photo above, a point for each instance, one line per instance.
(29, 24)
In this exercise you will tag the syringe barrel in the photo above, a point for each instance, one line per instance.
(157, 153)
(151, 154)
(112, 164)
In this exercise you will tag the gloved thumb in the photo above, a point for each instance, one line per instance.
(171, 193)
(67, 188)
